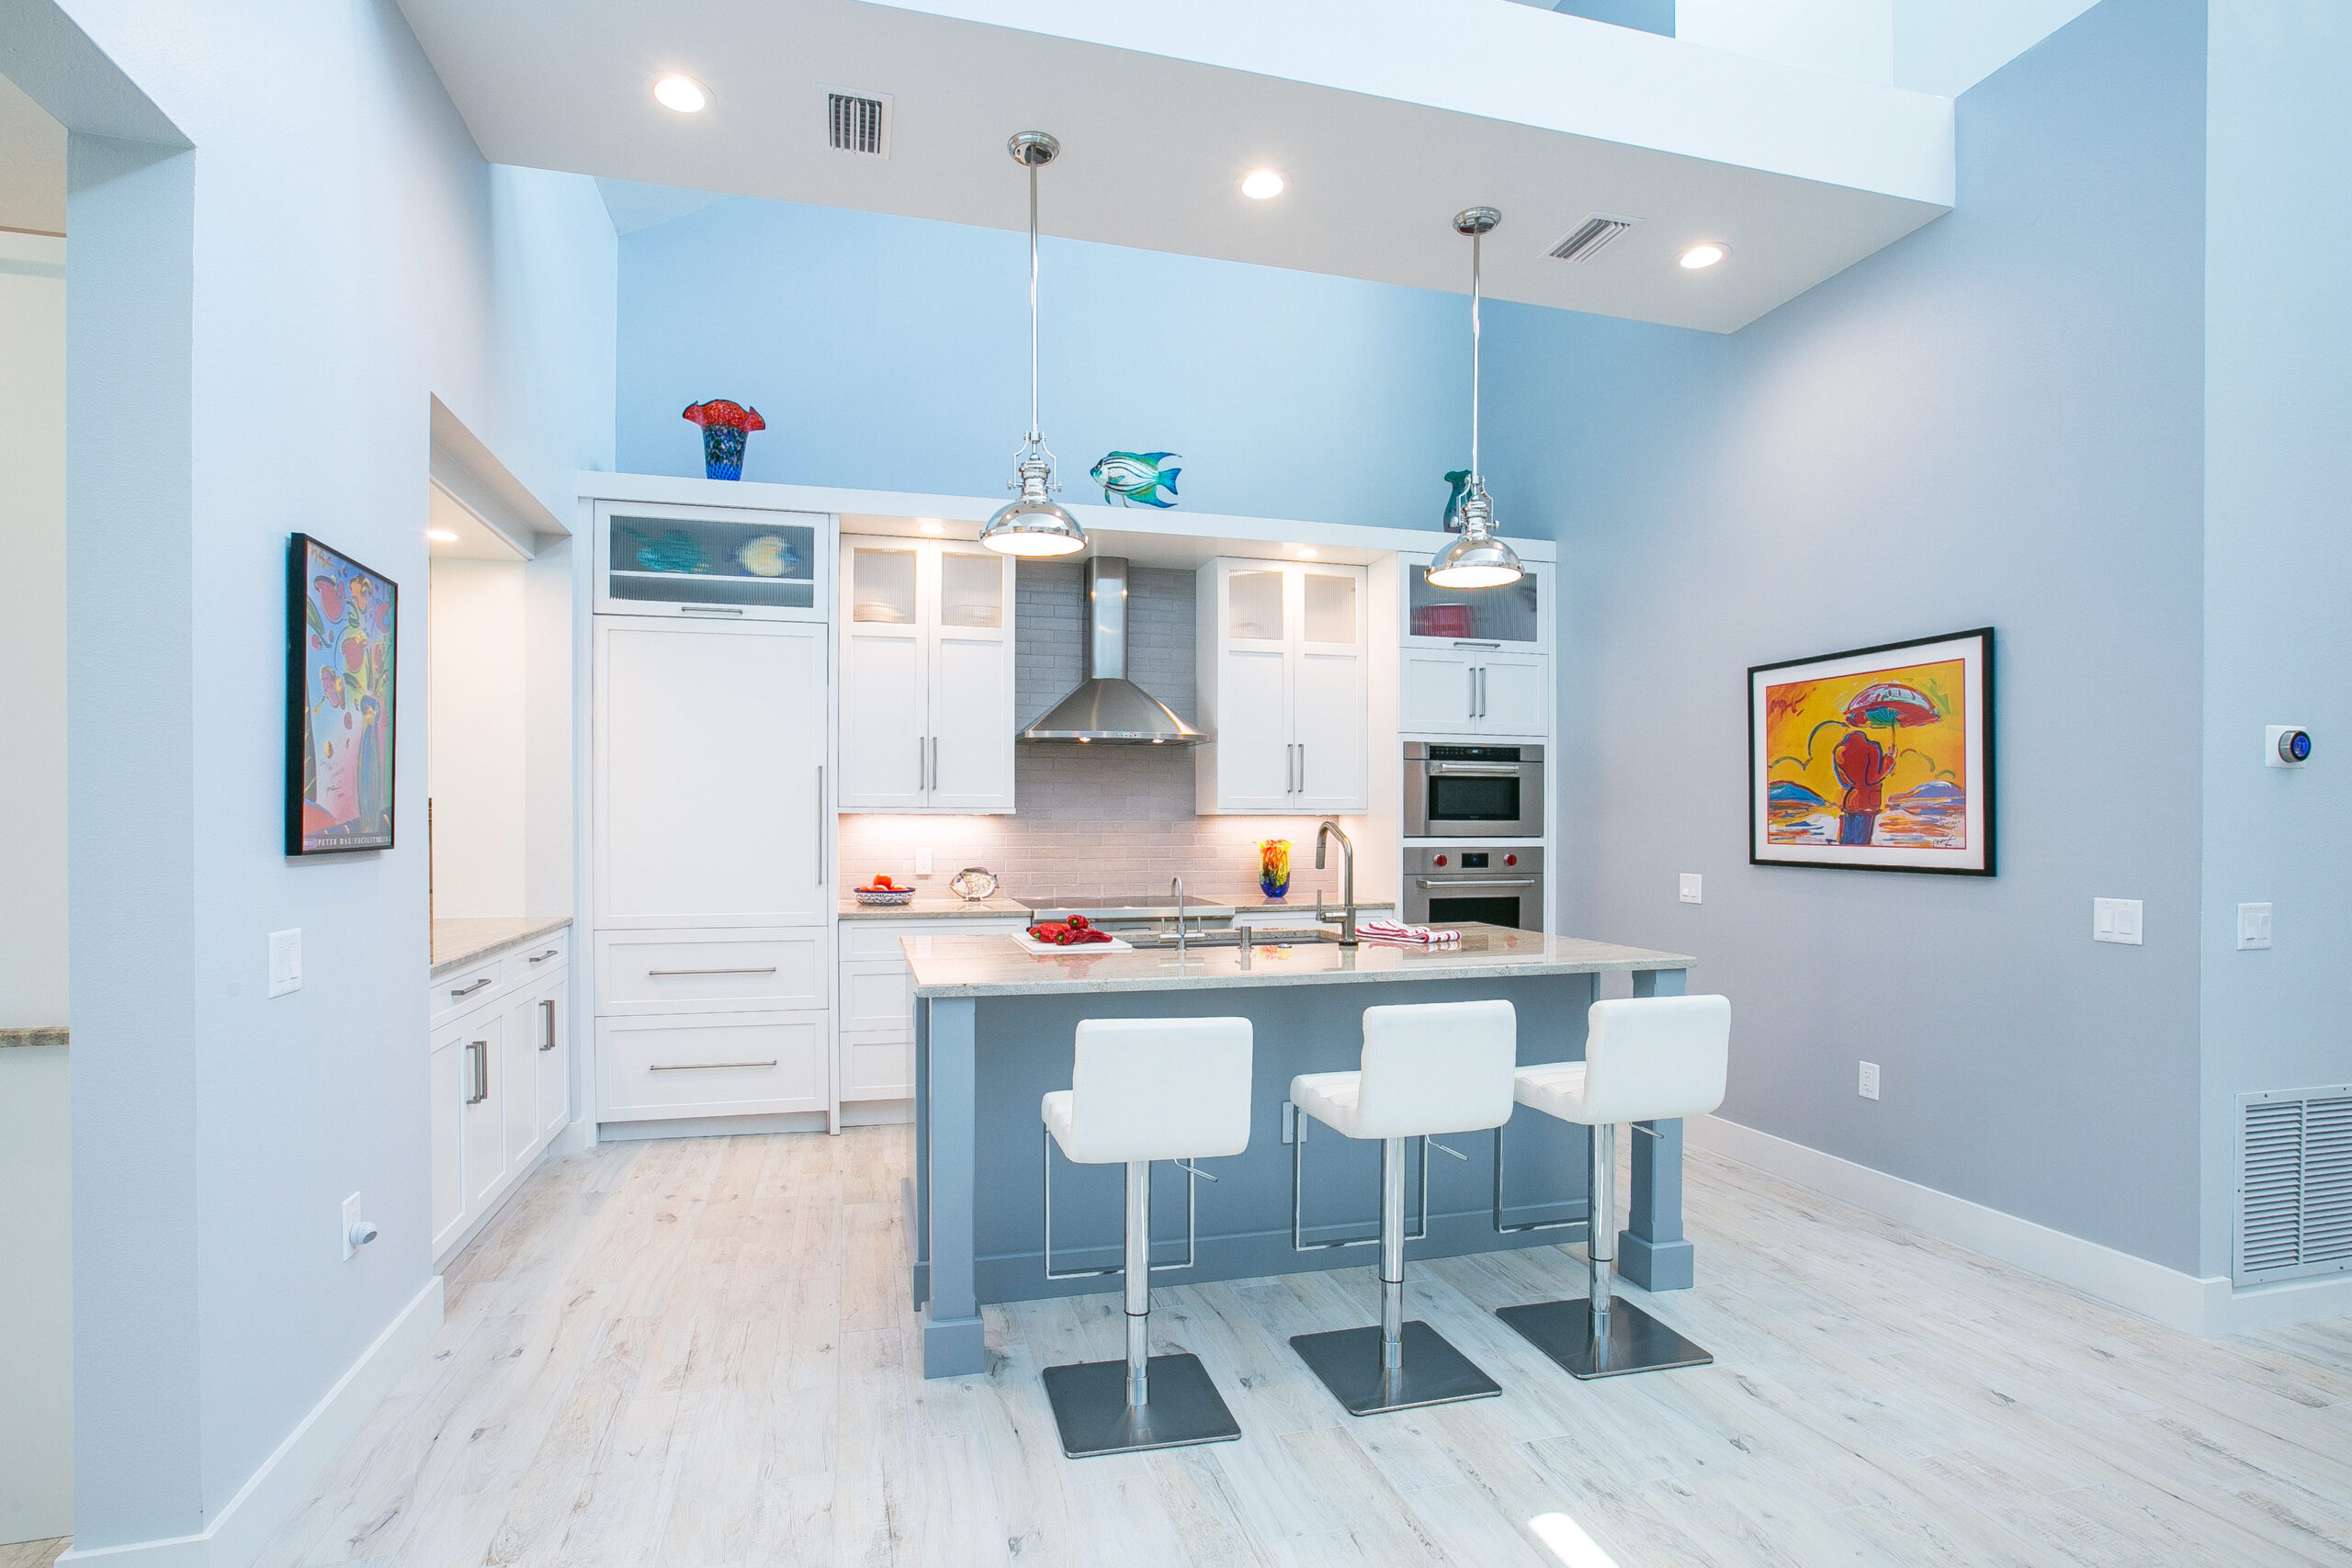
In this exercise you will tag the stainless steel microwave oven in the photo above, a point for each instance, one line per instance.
(1473, 791)
(1501, 884)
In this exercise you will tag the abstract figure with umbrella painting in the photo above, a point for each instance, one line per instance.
(1879, 759)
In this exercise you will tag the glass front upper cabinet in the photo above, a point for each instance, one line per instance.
(1507, 617)
(709, 561)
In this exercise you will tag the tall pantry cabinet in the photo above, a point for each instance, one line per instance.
(711, 818)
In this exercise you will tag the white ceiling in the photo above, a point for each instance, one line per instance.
(1383, 127)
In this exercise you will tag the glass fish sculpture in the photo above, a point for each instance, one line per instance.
(1136, 476)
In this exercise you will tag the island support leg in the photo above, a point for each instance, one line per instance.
(1651, 1250)
(952, 1343)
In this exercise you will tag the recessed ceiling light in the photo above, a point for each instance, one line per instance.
(683, 93)
(441, 536)
(1703, 256)
(932, 526)
(1262, 184)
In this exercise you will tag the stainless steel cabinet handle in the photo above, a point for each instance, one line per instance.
(1302, 767)
(480, 1051)
(666, 974)
(1472, 670)
(1475, 770)
(934, 764)
(1436, 882)
(922, 764)
(709, 610)
(1458, 643)
(821, 828)
(1482, 690)
(543, 957)
(478, 985)
(547, 1013)
(705, 1067)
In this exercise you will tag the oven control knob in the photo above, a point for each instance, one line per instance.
(1510, 859)
(1440, 860)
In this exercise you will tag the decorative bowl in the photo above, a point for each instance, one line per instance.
(884, 901)
(972, 884)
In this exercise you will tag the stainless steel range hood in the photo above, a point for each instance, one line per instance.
(1107, 707)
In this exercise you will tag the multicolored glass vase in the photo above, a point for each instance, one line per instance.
(1273, 867)
(725, 423)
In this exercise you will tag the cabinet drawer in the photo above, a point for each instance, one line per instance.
(877, 1064)
(465, 990)
(879, 938)
(711, 971)
(536, 957)
(878, 995)
(712, 1065)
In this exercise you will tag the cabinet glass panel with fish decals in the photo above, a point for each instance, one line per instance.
(713, 562)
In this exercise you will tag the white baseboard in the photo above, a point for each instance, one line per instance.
(2185, 1301)
(269, 1499)
(2281, 1306)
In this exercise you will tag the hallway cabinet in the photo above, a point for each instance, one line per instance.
(499, 1082)
(927, 676)
(1282, 657)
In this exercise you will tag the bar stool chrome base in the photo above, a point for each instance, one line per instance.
(1089, 1401)
(1634, 1341)
(1434, 1372)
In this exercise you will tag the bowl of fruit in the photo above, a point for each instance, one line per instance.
(884, 892)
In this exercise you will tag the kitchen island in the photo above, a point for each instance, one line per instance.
(994, 1032)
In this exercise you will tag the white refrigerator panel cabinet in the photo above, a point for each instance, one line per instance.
(709, 767)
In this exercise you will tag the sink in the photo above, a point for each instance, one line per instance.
(1260, 936)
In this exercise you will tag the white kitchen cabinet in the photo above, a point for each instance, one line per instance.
(720, 1065)
(555, 1060)
(927, 676)
(1465, 690)
(874, 1045)
(519, 1031)
(499, 1083)
(1281, 654)
(712, 562)
(450, 1078)
(709, 774)
(485, 1113)
(644, 973)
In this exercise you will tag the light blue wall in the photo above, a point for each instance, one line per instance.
(256, 329)
(1998, 420)
(2278, 561)
(892, 353)
(1649, 16)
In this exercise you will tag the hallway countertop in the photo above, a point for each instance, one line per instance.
(458, 942)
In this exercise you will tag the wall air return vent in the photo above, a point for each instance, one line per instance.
(858, 122)
(2295, 1184)
(1591, 237)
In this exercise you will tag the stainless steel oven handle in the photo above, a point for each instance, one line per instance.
(1477, 769)
(1436, 882)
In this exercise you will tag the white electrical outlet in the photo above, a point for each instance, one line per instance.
(1690, 886)
(2253, 927)
(1869, 1087)
(285, 962)
(2116, 920)
(922, 862)
(351, 1226)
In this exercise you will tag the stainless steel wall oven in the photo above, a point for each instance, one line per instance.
(1486, 792)
(1499, 884)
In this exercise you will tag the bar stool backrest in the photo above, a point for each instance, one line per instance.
(1436, 1068)
(1146, 1088)
(1656, 1058)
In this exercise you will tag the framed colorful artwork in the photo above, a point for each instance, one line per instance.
(1876, 759)
(342, 637)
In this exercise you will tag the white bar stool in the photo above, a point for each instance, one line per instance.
(1141, 1090)
(1435, 1068)
(1646, 1059)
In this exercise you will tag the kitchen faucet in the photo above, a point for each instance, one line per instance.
(1176, 884)
(1347, 880)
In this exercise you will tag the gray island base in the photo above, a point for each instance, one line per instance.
(994, 1032)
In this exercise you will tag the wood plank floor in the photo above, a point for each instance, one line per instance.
(697, 1354)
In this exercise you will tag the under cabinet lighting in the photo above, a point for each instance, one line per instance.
(1306, 552)
(683, 93)
(1704, 255)
(932, 526)
(441, 536)
(1262, 184)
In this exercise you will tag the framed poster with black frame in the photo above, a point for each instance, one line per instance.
(342, 712)
(1877, 758)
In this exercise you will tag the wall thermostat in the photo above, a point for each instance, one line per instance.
(2286, 746)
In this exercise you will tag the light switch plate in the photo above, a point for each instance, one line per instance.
(1690, 886)
(2253, 927)
(1869, 1085)
(285, 962)
(2116, 920)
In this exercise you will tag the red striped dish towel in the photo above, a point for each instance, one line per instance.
(1398, 931)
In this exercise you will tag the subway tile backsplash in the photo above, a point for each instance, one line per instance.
(1093, 818)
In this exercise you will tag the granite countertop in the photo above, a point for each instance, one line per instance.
(43, 1034)
(458, 942)
(993, 966)
(929, 908)
(1253, 901)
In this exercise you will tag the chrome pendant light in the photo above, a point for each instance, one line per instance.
(1478, 558)
(1033, 525)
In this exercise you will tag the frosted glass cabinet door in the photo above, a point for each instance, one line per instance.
(927, 678)
(708, 775)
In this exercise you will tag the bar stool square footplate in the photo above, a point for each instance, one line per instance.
(1348, 1360)
(1636, 1343)
(1089, 1401)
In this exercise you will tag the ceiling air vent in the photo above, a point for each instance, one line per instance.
(859, 122)
(2295, 1184)
(1593, 236)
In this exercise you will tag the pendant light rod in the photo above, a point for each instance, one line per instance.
(1477, 558)
(1033, 149)
(1477, 223)
(1033, 524)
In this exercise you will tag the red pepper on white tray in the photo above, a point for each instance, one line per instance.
(1398, 931)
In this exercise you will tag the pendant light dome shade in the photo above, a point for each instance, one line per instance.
(1478, 558)
(1033, 525)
